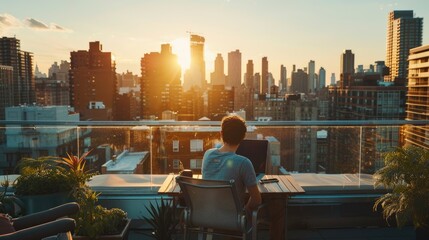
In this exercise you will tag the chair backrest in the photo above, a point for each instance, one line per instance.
(212, 204)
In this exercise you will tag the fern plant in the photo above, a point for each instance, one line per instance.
(406, 172)
(162, 219)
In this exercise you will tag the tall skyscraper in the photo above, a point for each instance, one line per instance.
(418, 96)
(283, 79)
(160, 83)
(322, 78)
(22, 63)
(6, 80)
(218, 76)
(249, 75)
(404, 32)
(333, 79)
(234, 69)
(195, 76)
(311, 76)
(347, 67)
(251, 89)
(93, 83)
(264, 77)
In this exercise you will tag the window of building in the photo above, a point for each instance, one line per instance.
(196, 145)
(195, 163)
(176, 164)
(175, 145)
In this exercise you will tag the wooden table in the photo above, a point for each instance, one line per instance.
(281, 190)
(284, 188)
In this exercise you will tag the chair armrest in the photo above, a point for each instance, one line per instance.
(255, 221)
(45, 216)
(42, 230)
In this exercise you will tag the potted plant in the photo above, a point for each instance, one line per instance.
(406, 173)
(9, 204)
(92, 221)
(163, 219)
(42, 184)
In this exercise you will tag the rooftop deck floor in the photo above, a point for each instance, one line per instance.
(406, 233)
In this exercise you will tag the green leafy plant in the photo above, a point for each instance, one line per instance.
(10, 205)
(92, 220)
(162, 219)
(406, 172)
(41, 176)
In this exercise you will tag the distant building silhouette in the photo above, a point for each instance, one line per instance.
(322, 78)
(283, 79)
(311, 76)
(220, 102)
(347, 67)
(93, 79)
(6, 87)
(22, 78)
(195, 76)
(299, 82)
(234, 69)
(160, 83)
(218, 76)
(404, 32)
(264, 77)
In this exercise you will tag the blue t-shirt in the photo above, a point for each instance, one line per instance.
(226, 166)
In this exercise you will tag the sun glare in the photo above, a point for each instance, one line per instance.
(181, 49)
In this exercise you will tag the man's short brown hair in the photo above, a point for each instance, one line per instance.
(233, 130)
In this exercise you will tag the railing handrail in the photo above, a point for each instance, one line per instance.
(217, 123)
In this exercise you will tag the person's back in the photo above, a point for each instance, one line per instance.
(223, 164)
(219, 165)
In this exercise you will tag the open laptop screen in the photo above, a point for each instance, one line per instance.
(256, 151)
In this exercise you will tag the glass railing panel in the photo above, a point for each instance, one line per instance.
(157, 148)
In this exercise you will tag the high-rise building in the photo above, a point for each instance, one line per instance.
(404, 32)
(195, 76)
(283, 79)
(218, 76)
(93, 83)
(160, 83)
(418, 96)
(249, 75)
(22, 77)
(333, 79)
(311, 76)
(6, 80)
(234, 69)
(220, 101)
(264, 77)
(52, 92)
(347, 67)
(299, 82)
(322, 78)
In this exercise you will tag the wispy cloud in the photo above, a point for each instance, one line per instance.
(39, 25)
(33, 23)
(8, 21)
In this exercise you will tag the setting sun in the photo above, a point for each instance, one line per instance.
(182, 50)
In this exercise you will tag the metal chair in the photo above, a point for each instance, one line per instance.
(215, 207)
(43, 224)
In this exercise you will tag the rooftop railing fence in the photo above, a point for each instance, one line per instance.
(162, 147)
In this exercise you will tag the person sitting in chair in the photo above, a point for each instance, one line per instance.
(224, 164)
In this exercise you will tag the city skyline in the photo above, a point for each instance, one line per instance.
(286, 32)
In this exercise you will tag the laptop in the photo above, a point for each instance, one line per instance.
(257, 152)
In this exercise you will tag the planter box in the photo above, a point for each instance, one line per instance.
(122, 236)
(37, 203)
